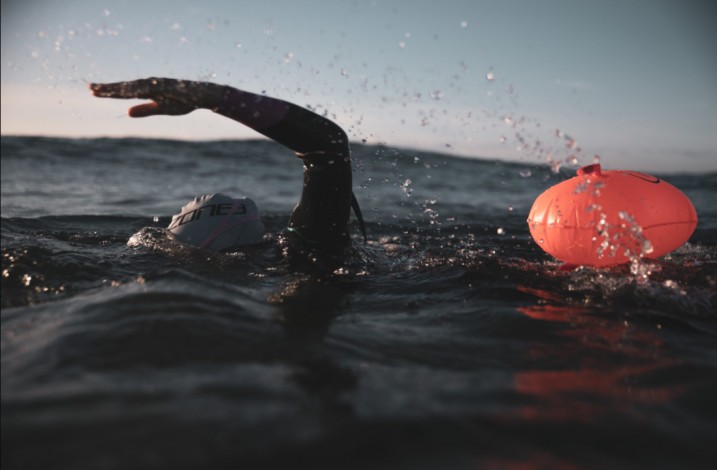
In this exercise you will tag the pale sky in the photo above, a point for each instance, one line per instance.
(633, 81)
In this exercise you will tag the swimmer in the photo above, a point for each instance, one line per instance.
(318, 227)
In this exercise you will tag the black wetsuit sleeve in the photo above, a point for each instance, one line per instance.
(319, 222)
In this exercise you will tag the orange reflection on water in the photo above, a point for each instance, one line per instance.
(606, 361)
(581, 395)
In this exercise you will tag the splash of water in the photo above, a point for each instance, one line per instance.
(405, 187)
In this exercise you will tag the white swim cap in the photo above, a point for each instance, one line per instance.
(217, 222)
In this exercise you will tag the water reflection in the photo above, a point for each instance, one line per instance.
(606, 365)
(307, 306)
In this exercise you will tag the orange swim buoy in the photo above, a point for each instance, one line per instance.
(601, 218)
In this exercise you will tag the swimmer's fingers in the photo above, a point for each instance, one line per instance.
(123, 90)
(153, 88)
(147, 88)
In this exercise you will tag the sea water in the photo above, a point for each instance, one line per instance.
(451, 341)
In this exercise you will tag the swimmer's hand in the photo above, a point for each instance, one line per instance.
(169, 96)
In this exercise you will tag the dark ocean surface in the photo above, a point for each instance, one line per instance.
(451, 341)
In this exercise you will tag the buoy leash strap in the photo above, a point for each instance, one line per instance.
(357, 211)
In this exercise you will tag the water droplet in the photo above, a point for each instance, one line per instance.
(490, 76)
(525, 173)
(500, 231)
(464, 24)
(405, 187)
(155, 219)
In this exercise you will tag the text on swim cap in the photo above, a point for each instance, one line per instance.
(212, 210)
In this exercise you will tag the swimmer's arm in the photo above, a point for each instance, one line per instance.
(301, 130)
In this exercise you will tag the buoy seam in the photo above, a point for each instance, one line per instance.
(594, 228)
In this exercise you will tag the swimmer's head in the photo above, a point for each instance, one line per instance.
(217, 222)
